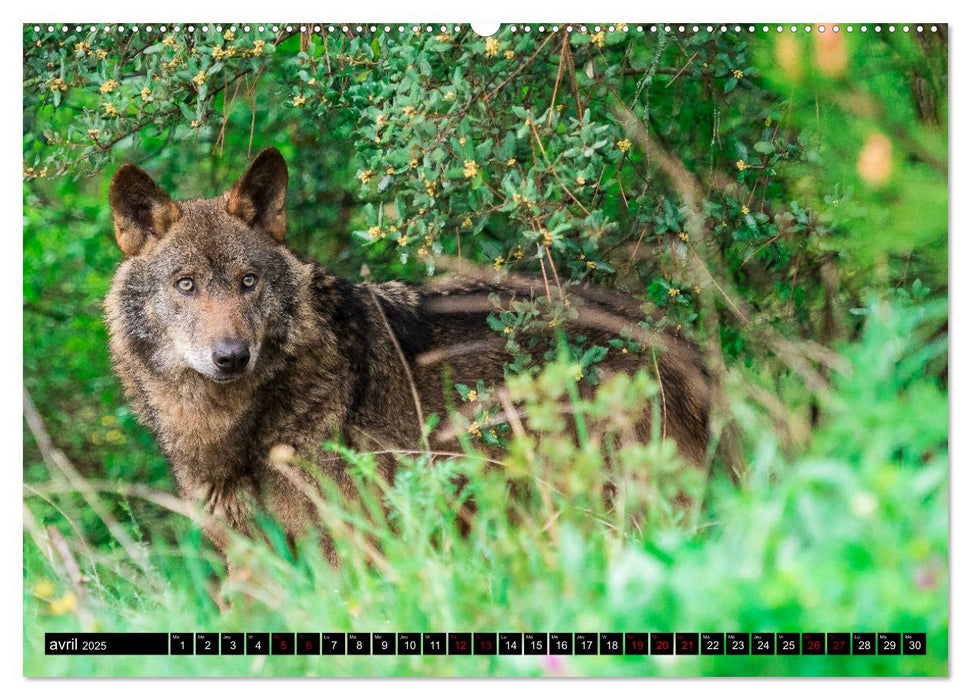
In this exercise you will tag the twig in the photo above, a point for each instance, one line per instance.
(559, 77)
(542, 266)
(664, 407)
(404, 364)
(519, 70)
(57, 462)
(683, 68)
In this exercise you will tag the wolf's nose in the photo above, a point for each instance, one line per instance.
(231, 355)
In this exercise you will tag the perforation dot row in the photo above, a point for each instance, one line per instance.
(401, 29)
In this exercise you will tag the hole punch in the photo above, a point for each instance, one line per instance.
(485, 28)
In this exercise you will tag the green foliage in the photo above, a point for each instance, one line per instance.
(782, 200)
(849, 536)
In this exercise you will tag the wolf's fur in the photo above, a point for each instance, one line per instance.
(321, 360)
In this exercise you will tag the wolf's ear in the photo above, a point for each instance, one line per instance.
(140, 208)
(260, 197)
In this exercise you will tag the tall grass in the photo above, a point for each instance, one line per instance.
(844, 531)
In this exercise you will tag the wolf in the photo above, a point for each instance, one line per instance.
(230, 347)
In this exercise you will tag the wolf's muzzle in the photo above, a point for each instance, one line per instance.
(231, 356)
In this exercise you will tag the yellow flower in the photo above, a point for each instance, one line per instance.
(408, 111)
(624, 145)
(200, 77)
(471, 169)
(472, 395)
(591, 264)
(547, 238)
(430, 186)
(623, 351)
(414, 163)
(169, 41)
(621, 27)
(741, 164)
(403, 241)
(683, 236)
(375, 232)
(365, 176)
(194, 123)
(745, 209)
(509, 53)
(493, 434)
(597, 39)
(146, 92)
(389, 170)
(511, 162)
(474, 430)
(64, 604)
(507, 330)
(518, 253)
(110, 109)
(43, 589)
(93, 133)
(299, 100)
(462, 141)
(101, 53)
(258, 47)
(581, 180)
(467, 222)
(737, 74)
(81, 46)
(229, 36)
(696, 289)
(497, 263)
(491, 47)
(674, 292)
(108, 86)
(56, 84)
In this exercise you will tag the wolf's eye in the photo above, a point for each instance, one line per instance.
(249, 281)
(185, 285)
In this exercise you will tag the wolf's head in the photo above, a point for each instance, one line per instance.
(205, 284)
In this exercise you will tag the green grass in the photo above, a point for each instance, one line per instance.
(850, 535)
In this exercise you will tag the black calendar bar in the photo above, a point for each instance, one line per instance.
(470, 644)
(106, 643)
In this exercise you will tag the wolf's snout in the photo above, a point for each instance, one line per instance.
(231, 356)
